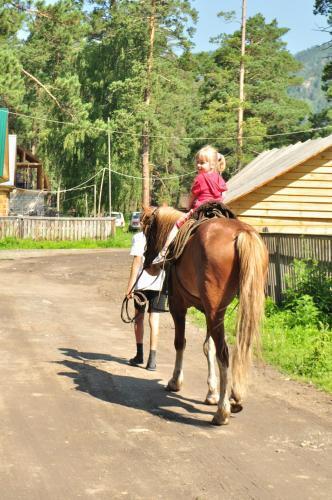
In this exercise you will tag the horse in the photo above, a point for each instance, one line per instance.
(222, 259)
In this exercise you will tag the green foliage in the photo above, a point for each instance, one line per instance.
(294, 340)
(296, 343)
(324, 7)
(11, 79)
(80, 65)
(309, 282)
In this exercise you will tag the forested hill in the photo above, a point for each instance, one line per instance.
(313, 60)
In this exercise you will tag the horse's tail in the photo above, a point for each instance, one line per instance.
(253, 260)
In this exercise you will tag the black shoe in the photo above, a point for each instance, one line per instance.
(137, 360)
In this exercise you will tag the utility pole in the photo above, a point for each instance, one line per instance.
(101, 191)
(109, 168)
(147, 99)
(86, 205)
(95, 200)
(241, 85)
(58, 201)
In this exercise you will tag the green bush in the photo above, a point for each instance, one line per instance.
(293, 339)
(309, 279)
(300, 348)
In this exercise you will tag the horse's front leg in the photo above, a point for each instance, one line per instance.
(179, 317)
(222, 415)
(209, 349)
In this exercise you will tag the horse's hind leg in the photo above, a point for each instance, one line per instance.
(221, 417)
(209, 349)
(179, 317)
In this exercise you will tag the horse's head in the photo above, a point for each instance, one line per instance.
(156, 224)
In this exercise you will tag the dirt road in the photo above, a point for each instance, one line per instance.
(78, 422)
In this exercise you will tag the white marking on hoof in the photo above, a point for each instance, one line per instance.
(221, 417)
(212, 399)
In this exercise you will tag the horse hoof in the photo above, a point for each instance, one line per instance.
(212, 400)
(236, 407)
(173, 386)
(221, 418)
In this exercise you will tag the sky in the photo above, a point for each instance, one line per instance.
(297, 15)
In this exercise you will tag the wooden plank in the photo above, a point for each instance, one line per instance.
(325, 155)
(251, 198)
(282, 213)
(289, 191)
(268, 229)
(297, 206)
(313, 176)
(317, 167)
(286, 222)
(302, 183)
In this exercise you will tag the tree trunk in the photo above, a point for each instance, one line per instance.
(241, 85)
(147, 99)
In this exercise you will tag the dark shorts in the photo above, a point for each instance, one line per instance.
(156, 302)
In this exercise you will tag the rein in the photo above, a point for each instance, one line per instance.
(140, 298)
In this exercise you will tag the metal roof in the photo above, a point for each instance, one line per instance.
(271, 164)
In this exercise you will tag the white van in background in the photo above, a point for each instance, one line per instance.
(119, 219)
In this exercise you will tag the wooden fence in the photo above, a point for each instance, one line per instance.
(57, 228)
(284, 248)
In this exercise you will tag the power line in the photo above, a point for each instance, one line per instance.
(105, 130)
(82, 183)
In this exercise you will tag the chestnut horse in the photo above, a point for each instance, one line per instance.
(223, 258)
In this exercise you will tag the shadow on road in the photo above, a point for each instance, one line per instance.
(132, 392)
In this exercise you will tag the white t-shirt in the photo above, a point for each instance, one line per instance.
(146, 281)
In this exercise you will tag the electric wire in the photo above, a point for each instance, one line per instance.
(156, 136)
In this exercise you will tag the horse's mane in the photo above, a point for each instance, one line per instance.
(157, 225)
(166, 217)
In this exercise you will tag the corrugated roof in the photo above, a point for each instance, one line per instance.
(271, 164)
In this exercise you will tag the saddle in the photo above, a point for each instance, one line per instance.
(203, 213)
(213, 209)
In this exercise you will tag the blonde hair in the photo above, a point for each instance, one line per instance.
(216, 160)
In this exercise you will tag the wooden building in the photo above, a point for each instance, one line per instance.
(27, 188)
(287, 190)
(29, 171)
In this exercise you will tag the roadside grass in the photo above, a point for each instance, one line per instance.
(122, 239)
(295, 341)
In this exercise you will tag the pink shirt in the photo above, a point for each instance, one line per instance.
(207, 187)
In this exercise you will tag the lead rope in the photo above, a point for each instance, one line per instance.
(138, 296)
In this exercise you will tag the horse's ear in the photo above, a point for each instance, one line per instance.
(147, 210)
